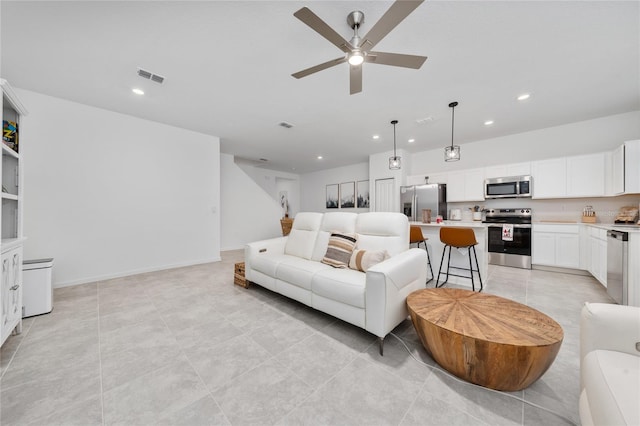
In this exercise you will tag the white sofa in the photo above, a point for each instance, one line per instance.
(609, 365)
(375, 300)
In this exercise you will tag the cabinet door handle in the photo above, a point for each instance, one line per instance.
(14, 288)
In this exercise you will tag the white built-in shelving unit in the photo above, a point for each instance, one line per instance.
(11, 220)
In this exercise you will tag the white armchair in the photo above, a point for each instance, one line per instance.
(609, 365)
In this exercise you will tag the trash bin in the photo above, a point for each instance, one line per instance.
(37, 290)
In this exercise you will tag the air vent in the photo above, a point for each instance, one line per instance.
(150, 76)
(285, 125)
(425, 120)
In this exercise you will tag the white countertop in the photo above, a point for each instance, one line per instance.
(624, 228)
(474, 224)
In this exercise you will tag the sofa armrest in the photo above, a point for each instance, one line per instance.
(609, 327)
(260, 248)
(388, 285)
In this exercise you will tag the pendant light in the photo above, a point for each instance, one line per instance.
(394, 162)
(452, 153)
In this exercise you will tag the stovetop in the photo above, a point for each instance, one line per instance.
(515, 216)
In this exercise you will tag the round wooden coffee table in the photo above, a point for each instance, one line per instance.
(485, 339)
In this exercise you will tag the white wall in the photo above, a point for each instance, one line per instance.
(248, 212)
(109, 195)
(601, 134)
(313, 186)
(273, 181)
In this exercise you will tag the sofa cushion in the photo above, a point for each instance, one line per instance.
(383, 231)
(342, 285)
(361, 260)
(612, 386)
(339, 250)
(267, 263)
(298, 272)
(333, 221)
(302, 238)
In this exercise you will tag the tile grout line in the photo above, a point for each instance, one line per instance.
(100, 353)
(13, 355)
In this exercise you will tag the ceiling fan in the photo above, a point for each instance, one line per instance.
(358, 50)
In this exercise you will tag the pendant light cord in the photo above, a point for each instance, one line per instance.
(394, 122)
(453, 106)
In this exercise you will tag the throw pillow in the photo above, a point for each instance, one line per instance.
(339, 249)
(361, 260)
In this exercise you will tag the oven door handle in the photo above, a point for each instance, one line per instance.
(515, 225)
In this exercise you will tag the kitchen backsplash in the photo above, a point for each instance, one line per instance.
(564, 210)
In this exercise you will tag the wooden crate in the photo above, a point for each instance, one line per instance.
(588, 219)
(238, 276)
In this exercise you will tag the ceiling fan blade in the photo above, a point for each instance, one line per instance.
(392, 17)
(355, 79)
(395, 59)
(321, 27)
(319, 67)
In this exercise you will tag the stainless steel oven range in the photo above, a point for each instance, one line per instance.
(509, 237)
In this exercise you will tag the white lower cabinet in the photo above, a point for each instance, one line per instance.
(556, 245)
(11, 292)
(598, 254)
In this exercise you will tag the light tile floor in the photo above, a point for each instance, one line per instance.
(186, 346)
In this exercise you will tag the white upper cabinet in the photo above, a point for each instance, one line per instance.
(617, 171)
(585, 175)
(570, 177)
(438, 177)
(515, 169)
(465, 185)
(632, 167)
(549, 178)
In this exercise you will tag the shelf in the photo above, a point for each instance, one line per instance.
(8, 151)
(7, 196)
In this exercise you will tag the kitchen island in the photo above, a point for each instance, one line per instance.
(459, 258)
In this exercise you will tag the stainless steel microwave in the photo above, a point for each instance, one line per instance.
(508, 187)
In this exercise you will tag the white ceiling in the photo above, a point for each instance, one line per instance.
(228, 67)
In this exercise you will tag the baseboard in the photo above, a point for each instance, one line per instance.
(133, 272)
(561, 270)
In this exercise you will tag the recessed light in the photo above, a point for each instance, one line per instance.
(524, 96)
(319, 157)
(376, 136)
(138, 91)
(411, 140)
(488, 122)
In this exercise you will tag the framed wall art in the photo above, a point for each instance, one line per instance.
(362, 200)
(332, 196)
(347, 195)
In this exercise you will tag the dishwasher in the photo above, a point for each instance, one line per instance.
(617, 242)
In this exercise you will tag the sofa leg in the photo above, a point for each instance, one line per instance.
(381, 345)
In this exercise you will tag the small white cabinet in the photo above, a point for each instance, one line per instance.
(11, 292)
(556, 245)
(514, 169)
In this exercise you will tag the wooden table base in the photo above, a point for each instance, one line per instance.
(485, 339)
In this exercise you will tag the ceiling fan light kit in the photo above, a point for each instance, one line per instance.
(358, 49)
(395, 162)
(452, 153)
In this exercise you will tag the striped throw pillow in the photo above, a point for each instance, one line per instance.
(361, 260)
(339, 250)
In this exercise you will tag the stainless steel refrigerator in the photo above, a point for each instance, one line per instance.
(413, 199)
